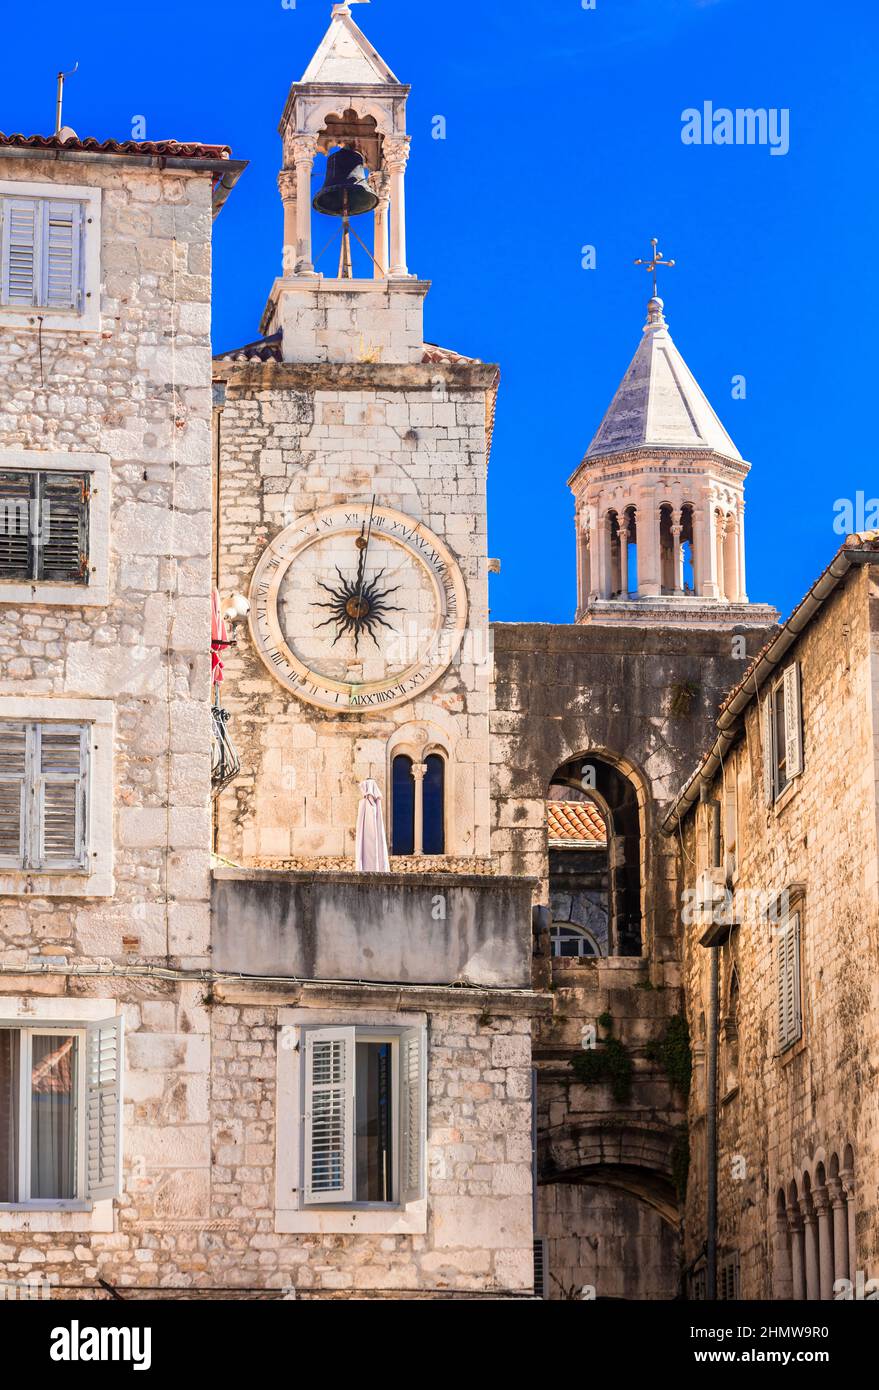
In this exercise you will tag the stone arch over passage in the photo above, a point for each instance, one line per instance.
(594, 779)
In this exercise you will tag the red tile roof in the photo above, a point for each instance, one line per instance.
(575, 825)
(173, 148)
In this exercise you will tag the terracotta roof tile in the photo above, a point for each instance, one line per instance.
(575, 824)
(176, 148)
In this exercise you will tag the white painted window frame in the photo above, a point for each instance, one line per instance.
(292, 1216)
(790, 682)
(96, 881)
(60, 1015)
(88, 320)
(95, 594)
(27, 1033)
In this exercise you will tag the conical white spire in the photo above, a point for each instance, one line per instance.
(659, 403)
(346, 56)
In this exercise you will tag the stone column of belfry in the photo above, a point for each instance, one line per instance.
(731, 557)
(380, 182)
(419, 772)
(743, 587)
(287, 181)
(303, 148)
(719, 545)
(677, 557)
(825, 1243)
(395, 153)
(624, 557)
(798, 1275)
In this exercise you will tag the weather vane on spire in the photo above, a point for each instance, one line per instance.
(654, 263)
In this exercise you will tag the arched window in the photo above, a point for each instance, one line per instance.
(403, 807)
(572, 942)
(434, 805)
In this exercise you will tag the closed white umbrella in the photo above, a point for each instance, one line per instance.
(372, 843)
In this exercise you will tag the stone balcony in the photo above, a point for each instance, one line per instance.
(433, 929)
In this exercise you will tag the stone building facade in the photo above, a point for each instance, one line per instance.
(778, 842)
(276, 1063)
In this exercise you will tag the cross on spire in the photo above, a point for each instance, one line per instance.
(654, 263)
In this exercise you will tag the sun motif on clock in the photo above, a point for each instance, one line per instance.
(358, 606)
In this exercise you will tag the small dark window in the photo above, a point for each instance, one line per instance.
(780, 742)
(403, 807)
(44, 526)
(435, 805)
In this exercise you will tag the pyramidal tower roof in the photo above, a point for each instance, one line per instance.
(659, 403)
(346, 56)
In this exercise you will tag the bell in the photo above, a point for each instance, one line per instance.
(346, 192)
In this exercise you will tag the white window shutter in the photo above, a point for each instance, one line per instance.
(413, 1113)
(20, 251)
(103, 1109)
(768, 756)
(62, 759)
(793, 721)
(61, 255)
(13, 794)
(330, 1074)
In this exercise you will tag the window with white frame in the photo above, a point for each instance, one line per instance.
(42, 252)
(783, 734)
(44, 770)
(44, 526)
(364, 1116)
(60, 1113)
(788, 982)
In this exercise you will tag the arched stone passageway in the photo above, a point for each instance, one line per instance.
(606, 876)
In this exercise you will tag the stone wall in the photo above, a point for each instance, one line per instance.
(782, 1116)
(295, 439)
(147, 651)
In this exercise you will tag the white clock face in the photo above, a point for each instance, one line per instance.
(357, 607)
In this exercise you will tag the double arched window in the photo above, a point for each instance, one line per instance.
(418, 805)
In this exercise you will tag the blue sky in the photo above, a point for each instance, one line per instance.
(563, 130)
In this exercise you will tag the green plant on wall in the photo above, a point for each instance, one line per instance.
(608, 1062)
(674, 1055)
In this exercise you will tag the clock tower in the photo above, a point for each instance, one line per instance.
(351, 462)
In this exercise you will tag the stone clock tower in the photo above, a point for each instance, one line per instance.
(351, 476)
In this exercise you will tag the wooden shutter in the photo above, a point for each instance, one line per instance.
(13, 794)
(18, 511)
(768, 756)
(61, 255)
(793, 722)
(329, 1115)
(413, 1113)
(63, 532)
(103, 1109)
(62, 762)
(789, 1010)
(19, 251)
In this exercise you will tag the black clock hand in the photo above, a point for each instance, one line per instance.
(364, 551)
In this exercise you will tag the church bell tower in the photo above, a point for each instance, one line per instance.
(660, 503)
(346, 293)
